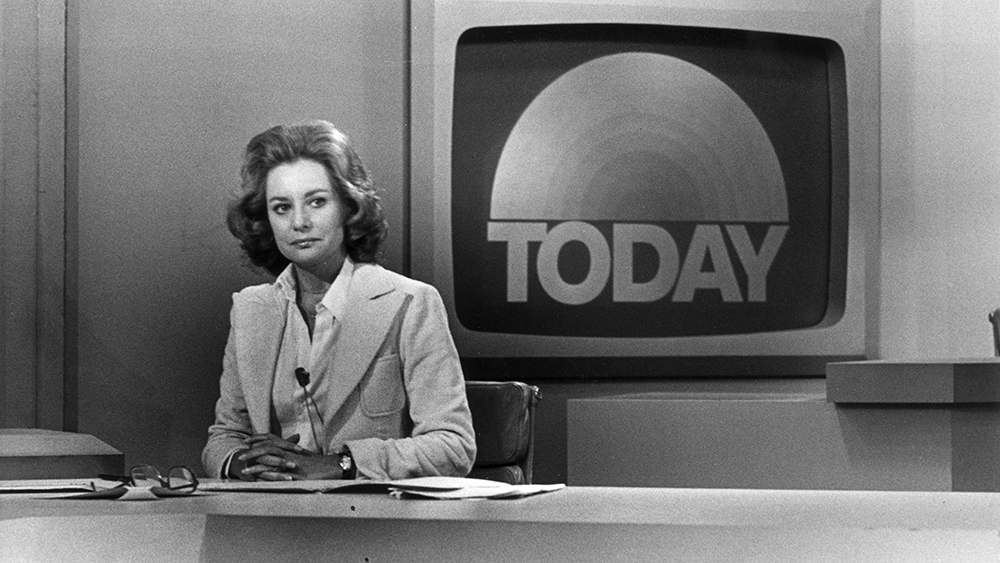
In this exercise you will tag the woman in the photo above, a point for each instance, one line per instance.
(340, 368)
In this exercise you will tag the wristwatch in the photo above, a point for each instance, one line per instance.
(347, 464)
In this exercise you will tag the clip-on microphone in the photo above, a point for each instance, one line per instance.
(302, 376)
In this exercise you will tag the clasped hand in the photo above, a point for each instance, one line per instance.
(273, 458)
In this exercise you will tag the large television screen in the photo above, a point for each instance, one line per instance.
(692, 187)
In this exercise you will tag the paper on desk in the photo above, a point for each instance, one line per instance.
(439, 487)
(305, 486)
(86, 489)
(503, 491)
(120, 492)
(438, 483)
(341, 486)
(123, 492)
(46, 486)
(55, 485)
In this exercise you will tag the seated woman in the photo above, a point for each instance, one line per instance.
(340, 368)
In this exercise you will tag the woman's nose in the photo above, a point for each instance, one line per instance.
(301, 220)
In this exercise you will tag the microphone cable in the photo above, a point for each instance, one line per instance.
(302, 376)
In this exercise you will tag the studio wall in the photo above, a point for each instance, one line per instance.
(167, 95)
(162, 95)
(940, 177)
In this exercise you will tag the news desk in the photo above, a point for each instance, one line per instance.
(576, 524)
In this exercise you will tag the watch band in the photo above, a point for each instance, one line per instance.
(347, 464)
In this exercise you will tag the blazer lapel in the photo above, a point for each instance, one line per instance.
(371, 309)
(262, 319)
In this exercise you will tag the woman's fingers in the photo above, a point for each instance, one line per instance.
(289, 444)
(269, 468)
(274, 476)
(267, 456)
(276, 462)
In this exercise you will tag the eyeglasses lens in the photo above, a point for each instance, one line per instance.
(146, 476)
(181, 478)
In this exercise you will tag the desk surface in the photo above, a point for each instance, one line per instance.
(566, 522)
(574, 505)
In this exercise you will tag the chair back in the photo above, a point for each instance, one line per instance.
(995, 321)
(503, 414)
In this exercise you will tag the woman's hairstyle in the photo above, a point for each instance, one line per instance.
(365, 227)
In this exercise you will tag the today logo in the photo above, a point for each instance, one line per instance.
(658, 139)
(708, 246)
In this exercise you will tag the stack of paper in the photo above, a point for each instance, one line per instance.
(427, 487)
(465, 488)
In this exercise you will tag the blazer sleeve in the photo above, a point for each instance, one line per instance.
(232, 421)
(442, 441)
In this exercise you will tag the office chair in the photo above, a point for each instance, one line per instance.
(995, 321)
(503, 415)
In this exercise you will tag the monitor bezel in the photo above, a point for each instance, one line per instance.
(437, 26)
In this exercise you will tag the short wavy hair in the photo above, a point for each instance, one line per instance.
(317, 140)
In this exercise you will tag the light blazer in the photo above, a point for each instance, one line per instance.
(397, 393)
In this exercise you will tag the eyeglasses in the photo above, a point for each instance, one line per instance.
(179, 481)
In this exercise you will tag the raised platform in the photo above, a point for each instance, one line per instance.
(759, 441)
(970, 380)
(32, 453)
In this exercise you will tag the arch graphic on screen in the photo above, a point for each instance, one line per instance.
(639, 137)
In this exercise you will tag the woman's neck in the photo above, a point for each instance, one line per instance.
(310, 282)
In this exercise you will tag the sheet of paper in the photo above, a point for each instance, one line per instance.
(54, 485)
(306, 486)
(332, 486)
(430, 487)
(438, 483)
(505, 492)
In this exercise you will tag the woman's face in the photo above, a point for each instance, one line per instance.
(307, 217)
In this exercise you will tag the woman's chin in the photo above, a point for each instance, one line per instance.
(317, 262)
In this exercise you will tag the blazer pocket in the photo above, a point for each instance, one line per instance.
(382, 393)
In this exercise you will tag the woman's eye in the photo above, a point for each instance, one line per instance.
(280, 209)
(319, 202)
